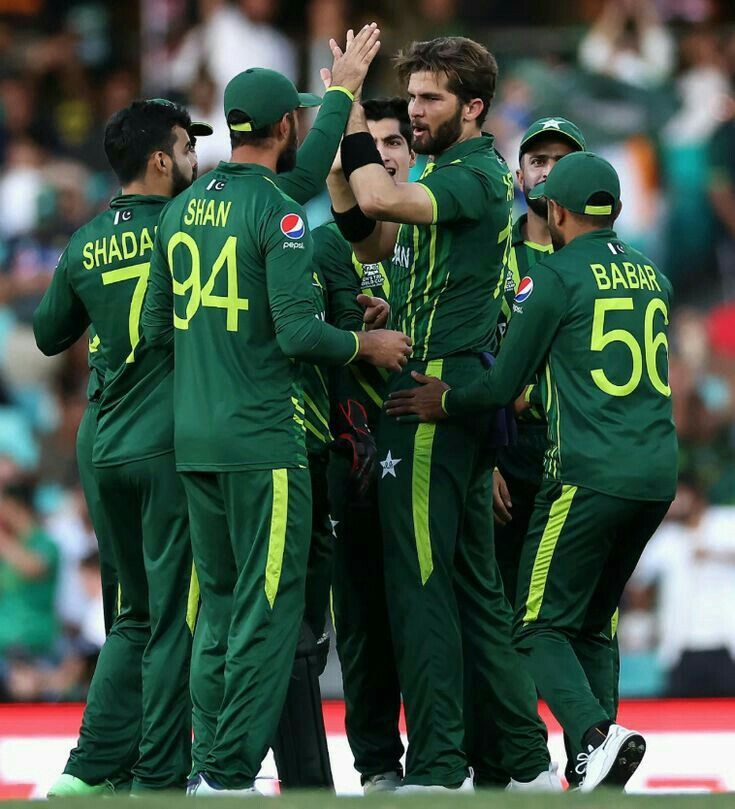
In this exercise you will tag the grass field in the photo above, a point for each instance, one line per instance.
(484, 800)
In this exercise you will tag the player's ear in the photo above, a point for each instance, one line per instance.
(617, 213)
(159, 162)
(284, 126)
(519, 177)
(473, 109)
(411, 158)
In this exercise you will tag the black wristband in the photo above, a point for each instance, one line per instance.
(353, 224)
(358, 150)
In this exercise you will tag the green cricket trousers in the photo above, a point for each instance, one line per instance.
(250, 533)
(467, 696)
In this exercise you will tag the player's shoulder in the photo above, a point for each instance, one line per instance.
(328, 235)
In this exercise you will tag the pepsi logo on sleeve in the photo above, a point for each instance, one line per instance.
(525, 288)
(292, 226)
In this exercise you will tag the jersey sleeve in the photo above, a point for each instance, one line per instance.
(530, 334)
(61, 318)
(457, 193)
(157, 318)
(300, 332)
(333, 257)
(315, 157)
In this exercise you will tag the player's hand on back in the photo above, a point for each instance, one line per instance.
(384, 348)
(376, 311)
(351, 65)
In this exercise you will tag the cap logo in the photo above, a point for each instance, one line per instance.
(552, 123)
(525, 288)
(292, 226)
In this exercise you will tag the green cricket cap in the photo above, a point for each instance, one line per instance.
(553, 127)
(197, 128)
(582, 182)
(264, 96)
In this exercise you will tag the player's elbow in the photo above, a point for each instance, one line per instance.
(373, 205)
(46, 341)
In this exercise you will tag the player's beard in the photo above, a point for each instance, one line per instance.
(179, 181)
(539, 206)
(287, 159)
(447, 134)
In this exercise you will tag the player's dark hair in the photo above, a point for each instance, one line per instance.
(133, 134)
(377, 109)
(256, 137)
(471, 69)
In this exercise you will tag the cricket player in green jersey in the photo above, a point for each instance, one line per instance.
(238, 409)
(519, 473)
(370, 681)
(592, 319)
(468, 699)
(517, 479)
(138, 712)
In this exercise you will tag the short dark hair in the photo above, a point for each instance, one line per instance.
(471, 69)
(134, 133)
(255, 137)
(377, 109)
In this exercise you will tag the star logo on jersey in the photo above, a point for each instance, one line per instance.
(552, 123)
(389, 465)
(525, 288)
(334, 524)
(292, 226)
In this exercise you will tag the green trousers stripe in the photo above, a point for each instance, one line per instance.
(557, 517)
(277, 538)
(423, 444)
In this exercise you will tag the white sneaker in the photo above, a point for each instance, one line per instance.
(614, 761)
(201, 787)
(465, 788)
(381, 782)
(546, 781)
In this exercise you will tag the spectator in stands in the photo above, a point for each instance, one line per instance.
(28, 569)
(232, 37)
(690, 564)
(721, 188)
(628, 43)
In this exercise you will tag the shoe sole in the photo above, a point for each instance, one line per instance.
(626, 762)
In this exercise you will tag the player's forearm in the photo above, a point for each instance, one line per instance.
(480, 396)
(312, 340)
(316, 155)
(53, 333)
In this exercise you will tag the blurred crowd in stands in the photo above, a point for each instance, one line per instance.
(652, 84)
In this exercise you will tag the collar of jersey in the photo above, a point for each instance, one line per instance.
(466, 147)
(603, 233)
(126, 200)
(244, 168)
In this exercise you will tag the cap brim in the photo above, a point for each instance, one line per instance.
(199, 128)
(537, 191)
(551, 133)
(309, 100)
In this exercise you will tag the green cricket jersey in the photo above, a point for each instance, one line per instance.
(233, 259)
(447, 278)
(592, 320)
(100, 280)
(525, 459)
(136, 415)
(341, 278)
